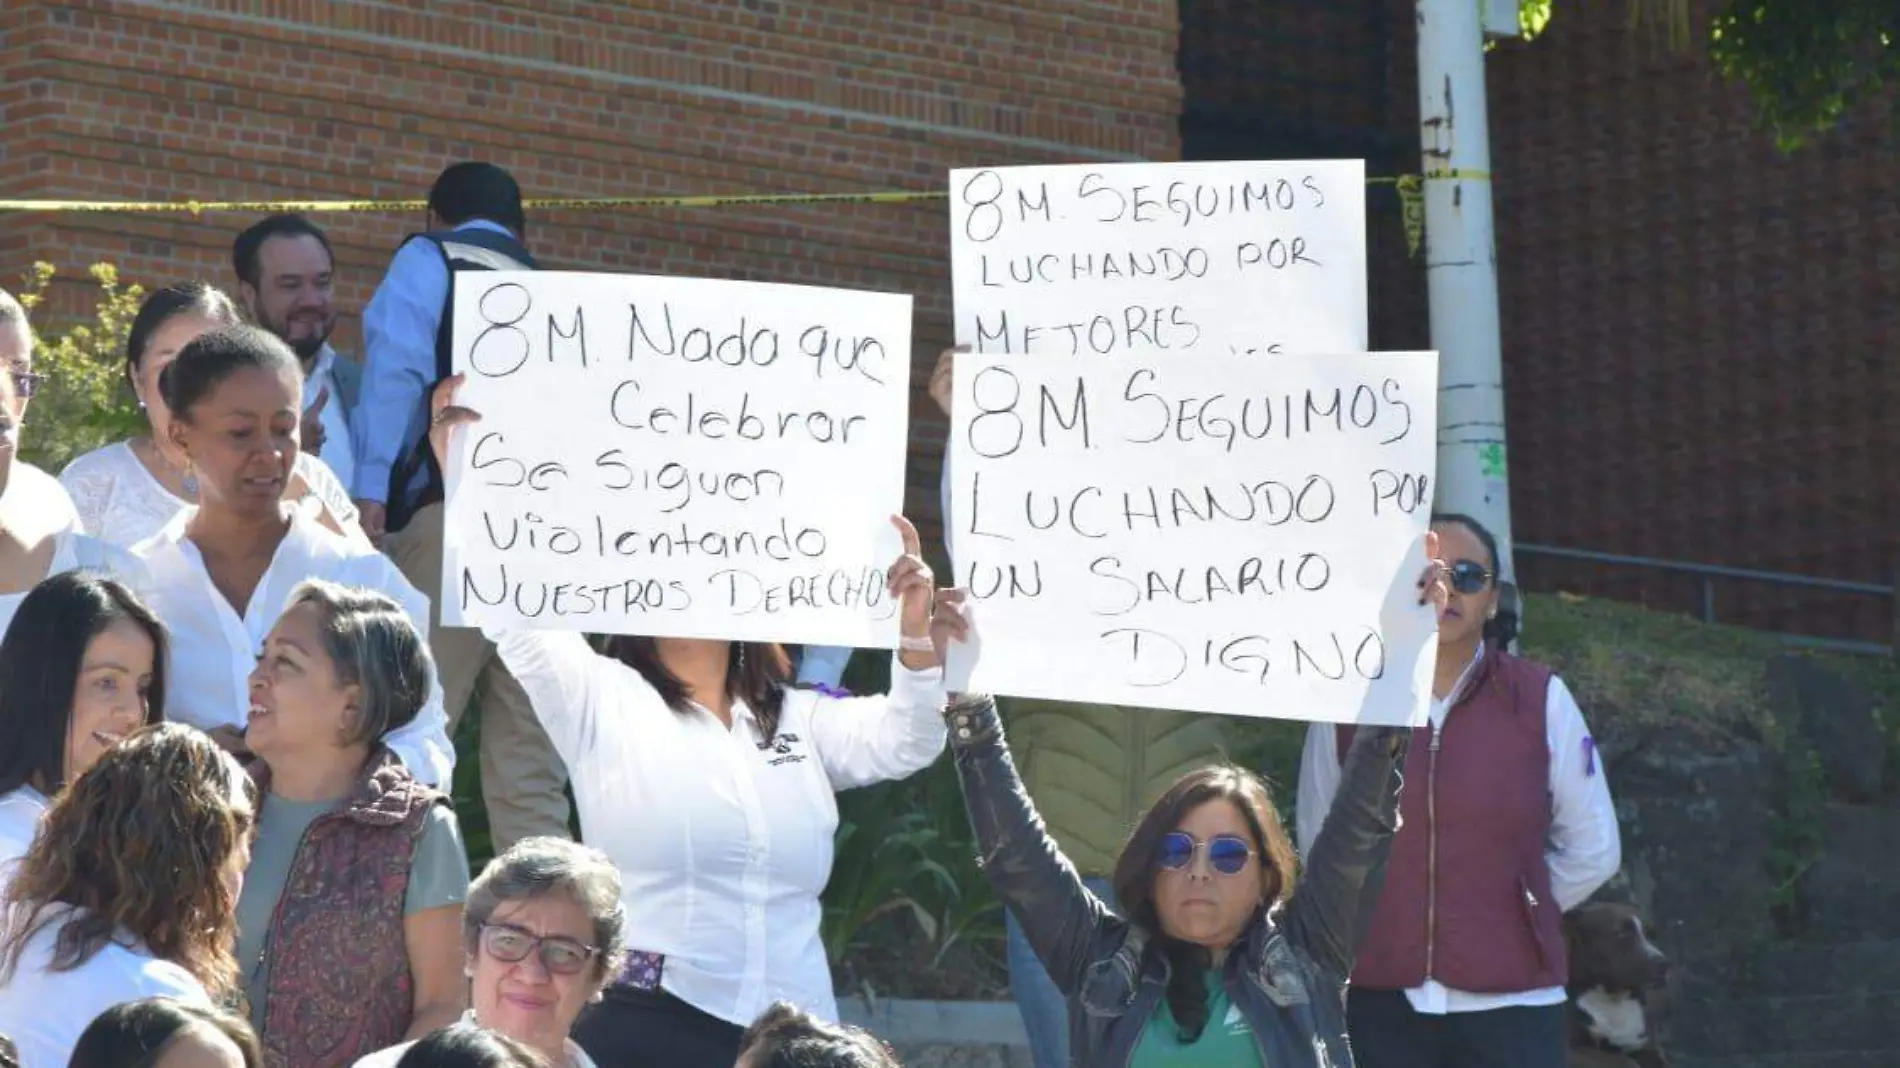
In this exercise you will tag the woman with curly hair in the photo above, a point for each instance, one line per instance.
(130, 890)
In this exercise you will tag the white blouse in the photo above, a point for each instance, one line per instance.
(120, 501)
(45, 1011)
(20, 812)
(723, 843)
(74, 552)
(213, 648)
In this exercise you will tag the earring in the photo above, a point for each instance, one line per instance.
(741, 658)
(191, 479)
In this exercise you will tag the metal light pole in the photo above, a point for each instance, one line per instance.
(1461, 264)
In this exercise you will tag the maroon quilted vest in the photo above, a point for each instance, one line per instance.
(339, 985)
(1467, 897)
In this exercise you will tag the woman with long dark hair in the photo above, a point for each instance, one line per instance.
(1214, 958)
(221, 573)
(84, 668)
(129, 891)
(1506, 779)
(128, 491)
(710, 781)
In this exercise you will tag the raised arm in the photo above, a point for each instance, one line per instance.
(1062, 919)
(1346, 866)
(862, 740)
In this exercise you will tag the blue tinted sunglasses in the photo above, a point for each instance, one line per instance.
(1226, 853)
(1468, 576)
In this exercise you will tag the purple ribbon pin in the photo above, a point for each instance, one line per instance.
(1589, 756)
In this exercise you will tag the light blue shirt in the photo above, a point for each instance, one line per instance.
(399, 331)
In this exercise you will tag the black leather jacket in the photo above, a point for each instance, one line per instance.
(1288, 975)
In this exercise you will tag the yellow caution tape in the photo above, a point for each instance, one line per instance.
(1410, 188)
(200, 207)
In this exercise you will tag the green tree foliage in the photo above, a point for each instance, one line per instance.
(1805, 63)
(85, 402)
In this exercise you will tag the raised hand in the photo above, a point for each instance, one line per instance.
(445, 416)
(1435, 585)
(915, 587)
(311, 434)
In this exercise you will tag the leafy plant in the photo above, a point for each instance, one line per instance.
(885, 857)
(85, 402)
(1798, 832)
(905, 849)
(1805, 63)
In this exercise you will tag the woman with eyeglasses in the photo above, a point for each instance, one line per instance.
(39, 529)
(542, 934)
(33, 507)
(349, 929)
(1507, 824)
(1213, 959)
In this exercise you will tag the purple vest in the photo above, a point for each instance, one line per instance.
(1467, 888)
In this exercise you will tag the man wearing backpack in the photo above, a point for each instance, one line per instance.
(475, 224)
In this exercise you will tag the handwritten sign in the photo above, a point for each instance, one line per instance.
(1230, 258)
(679, 457)
(1216, 534)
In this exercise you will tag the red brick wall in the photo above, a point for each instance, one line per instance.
(176, 99)
(1699, 331)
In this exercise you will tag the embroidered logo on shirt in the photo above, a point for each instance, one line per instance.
(782, 745)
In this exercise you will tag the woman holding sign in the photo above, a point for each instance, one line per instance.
(1213, 958)
(1506, 781)
(709, 782)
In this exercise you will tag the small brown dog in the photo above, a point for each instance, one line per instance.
(1615, 971)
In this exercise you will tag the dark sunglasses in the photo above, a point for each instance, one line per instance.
(560, 956)
(26, 383)
(1226, 853)
(1468, 576)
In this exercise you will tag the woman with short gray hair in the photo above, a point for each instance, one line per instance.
(543, 931)
(349, 926)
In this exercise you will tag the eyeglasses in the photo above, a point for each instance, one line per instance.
(1468, 576)
(511, 945)
(26, 383)
(1226, 853)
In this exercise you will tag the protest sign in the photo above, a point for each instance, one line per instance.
(1230, 258)
(675, 456)
(1214, 534)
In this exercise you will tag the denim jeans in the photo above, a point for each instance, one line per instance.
(1045, 1014)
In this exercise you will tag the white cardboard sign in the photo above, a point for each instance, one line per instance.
(1093, 260)
(1215, 534)
(677, 456)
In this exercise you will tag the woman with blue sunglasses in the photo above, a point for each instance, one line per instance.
(1215, 960)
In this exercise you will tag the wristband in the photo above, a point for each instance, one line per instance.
(909, 644)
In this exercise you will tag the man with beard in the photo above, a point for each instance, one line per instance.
(285, 273)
